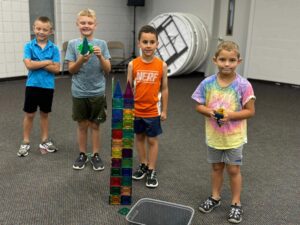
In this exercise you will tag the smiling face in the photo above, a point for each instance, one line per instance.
(148, 43)
(227, 62)
(86, 25)
(42, 30)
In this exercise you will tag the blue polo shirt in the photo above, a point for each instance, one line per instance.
(41, 77)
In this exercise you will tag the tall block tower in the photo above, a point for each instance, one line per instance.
(121, 146)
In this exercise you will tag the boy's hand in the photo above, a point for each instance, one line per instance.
(97, 51)
(221, 116)
(218, 116)
(225, 117)
(163, 116)
(49, 62)
(84, 58)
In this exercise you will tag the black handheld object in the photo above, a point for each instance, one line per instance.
(219, 116)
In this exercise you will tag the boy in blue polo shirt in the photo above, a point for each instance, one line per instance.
(42, 59)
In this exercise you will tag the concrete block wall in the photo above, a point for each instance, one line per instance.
(14, 32)
(115, 22)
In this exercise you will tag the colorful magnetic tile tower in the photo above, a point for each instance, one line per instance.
(121, 146)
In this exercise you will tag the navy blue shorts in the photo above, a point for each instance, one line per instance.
(38, 97)
(150, 126)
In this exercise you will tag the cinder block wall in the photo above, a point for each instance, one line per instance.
(14, 32)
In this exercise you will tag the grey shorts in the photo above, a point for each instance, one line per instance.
(92, 109)
(232, 156)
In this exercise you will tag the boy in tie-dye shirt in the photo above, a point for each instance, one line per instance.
(226, 99)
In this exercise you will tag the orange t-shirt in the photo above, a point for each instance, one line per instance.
(147, 79)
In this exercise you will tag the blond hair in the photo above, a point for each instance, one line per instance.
(228, 46)
(87, 12)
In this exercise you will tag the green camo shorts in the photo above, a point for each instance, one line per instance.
(92, 109)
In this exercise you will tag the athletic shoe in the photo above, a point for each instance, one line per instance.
(23, 150)
(80, 161)
(235, 215)
(140, 173)
(208, 205)
(48, 146)
(97, 162)
(152, 181)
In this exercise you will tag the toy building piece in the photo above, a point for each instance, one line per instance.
(85, 48)
(128, 97)
(219, 114)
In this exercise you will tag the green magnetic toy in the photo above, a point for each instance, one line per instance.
(85, 48)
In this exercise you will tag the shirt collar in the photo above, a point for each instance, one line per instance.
(49, 43)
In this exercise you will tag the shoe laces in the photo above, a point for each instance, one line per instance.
(153, 175)
(141, 169)
(97, 157)
(235, 211)
(24, 146)
(48, 142)
(81, 157)
(208, 203)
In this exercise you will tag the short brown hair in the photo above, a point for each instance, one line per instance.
(147, 29)
(228, 46)
(44, 19)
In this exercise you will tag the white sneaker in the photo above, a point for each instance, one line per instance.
(48, 146)
(23, 150)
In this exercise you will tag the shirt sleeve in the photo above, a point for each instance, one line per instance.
(105, 51)
(27, 51)
(56, 55)
(199, 93)
(71, 54)
(248, 93)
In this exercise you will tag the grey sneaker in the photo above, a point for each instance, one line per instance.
(208, 205)
(97, 162)
(48, 146)
(80, 161)
(152, 181)
(235, 215)
(140, 173)
(23, 150)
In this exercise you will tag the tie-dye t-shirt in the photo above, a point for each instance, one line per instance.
(231, 98)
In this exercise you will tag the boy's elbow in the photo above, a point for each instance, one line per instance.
(71, 70)
(250, 114)
(57, 71)
(108, 70)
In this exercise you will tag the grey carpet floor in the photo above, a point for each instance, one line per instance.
(45, 190)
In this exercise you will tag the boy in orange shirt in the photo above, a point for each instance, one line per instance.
(147, 75)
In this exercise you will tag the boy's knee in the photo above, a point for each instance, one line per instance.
(44, 115)
(83, 125)
(233, 170)
(95, 126)
(152, 140)
(140, 137)
(29, 115)
(218, 167)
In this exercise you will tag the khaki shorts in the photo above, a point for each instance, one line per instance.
(92, 109)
